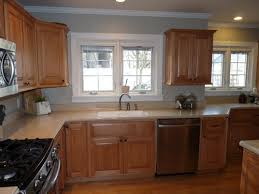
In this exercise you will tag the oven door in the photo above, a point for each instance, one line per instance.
(52, 179)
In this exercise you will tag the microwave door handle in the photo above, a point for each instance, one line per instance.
(52, 178)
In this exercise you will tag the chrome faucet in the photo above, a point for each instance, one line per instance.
(123, 94)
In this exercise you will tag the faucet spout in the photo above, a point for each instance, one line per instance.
(123, 94)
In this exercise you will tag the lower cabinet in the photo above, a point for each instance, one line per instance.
(213, 144)
(122, 148)
(250, 173)
(76, 150)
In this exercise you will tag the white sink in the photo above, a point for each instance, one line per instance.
(123, 114)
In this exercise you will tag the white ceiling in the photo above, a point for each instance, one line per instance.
(220, 10)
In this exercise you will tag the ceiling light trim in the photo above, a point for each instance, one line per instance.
(115, 12)
(231, 25)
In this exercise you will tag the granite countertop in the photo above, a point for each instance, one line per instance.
(47, 126)
(251, 145)
(9, 190)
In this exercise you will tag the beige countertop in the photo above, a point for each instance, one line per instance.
(48, 126)
(9, 190)
(251, 145)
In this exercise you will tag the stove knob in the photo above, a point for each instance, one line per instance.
(54, 154)
(49, 164)
(37, 185)
(42, 177)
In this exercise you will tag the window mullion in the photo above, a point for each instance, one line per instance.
(227, 69)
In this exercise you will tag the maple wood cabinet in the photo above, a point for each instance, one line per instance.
(52, 54)
(243, 125)
(121, 148)
(76, 150)
(250, 173)
(213, 143)
(2, 20)
(188, 57)
(41, 48)
(60, 143)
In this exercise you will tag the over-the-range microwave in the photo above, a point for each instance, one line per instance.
(8, 76)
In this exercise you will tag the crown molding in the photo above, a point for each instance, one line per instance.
(116, 12)
(232, 25)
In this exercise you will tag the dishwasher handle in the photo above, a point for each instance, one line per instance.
(183, 125)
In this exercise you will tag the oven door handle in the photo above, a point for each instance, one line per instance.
(52, 178)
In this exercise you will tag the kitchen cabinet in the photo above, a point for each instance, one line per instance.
(60, 144)
(51, 42)
(2, 20)
(76, 150)
(243, 125)
(188, 57)
(21, 30)
(213, 144)
(121, 148)
(250, 173)
(14, 28)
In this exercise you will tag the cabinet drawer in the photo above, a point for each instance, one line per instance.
(244, 115)
(213, 126)
(125, 129)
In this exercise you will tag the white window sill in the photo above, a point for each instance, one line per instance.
(225, 92)
(135, 97)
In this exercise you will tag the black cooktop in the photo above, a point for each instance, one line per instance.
(21, 159)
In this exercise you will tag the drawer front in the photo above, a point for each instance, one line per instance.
(121, 129)
(213, 127)
(244, 115)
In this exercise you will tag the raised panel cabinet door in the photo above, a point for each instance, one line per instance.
(29, 52)
(213, 141)
(183, 59)
(61, 145)
(51, 54)
(76, 150)
(106, 157)
(2, 20)
(14, 25)
(250, 174)
(139, 156)
(202, 58)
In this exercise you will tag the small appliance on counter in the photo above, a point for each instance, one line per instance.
(186, 102)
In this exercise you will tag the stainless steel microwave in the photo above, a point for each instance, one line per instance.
(8, 76)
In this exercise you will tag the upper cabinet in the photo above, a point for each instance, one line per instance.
(41, 48)
(188, 57)
(2, 21)
(52, 54)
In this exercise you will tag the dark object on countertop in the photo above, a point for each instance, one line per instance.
(242, 98)
(2, 113)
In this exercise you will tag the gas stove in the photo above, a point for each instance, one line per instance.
(30, 164)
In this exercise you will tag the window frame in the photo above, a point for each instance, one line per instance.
(118, 41)
(228, 47)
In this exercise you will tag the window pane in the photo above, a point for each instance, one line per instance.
(97, 64)
(137, 68)
(217, 69)
(238, 69)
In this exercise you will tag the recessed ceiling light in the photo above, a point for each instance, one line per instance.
(238, 18)
(120, 1)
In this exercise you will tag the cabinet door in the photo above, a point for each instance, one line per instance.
(106, 156)
(29, 52)
(76, 150)
(61, 145)
(51, 54)
(2, 20)
(202, 58)
(139, 155)
(213, 144)
(183, 60)
(15, 34)
(250, 174)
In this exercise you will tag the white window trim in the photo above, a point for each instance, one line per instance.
(149, 40)
(224, 45)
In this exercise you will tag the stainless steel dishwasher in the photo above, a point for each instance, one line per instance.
(177, 146)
